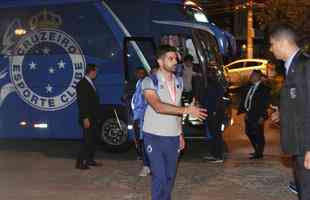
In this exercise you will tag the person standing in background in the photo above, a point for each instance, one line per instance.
(187, 76)
(294, 111)
(89, 117)
(254, 102)
(213, 101)
(138, 124)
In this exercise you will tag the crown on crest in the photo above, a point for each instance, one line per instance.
(45, 19)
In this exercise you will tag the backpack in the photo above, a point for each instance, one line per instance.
(138, 102)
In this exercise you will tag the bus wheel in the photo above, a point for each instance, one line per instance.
(114, 138)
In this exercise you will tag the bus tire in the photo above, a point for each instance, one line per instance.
(113, 138)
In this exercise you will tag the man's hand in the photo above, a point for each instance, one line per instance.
(275, 116)
(86, 123)
(182, 142)
(307, 160)
(197, 112)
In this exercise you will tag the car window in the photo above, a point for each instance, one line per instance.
(237, 65)
(252, 64)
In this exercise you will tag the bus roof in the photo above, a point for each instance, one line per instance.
(23, 3)
(17, 3)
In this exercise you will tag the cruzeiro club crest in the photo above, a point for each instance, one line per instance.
(46, 67)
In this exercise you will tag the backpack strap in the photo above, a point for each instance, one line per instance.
(179, 82)
(155, 80)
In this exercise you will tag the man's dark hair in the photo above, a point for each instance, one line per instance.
(90, 67)
(140, 68)
(188, 57)
(163, 49)
(283, 31)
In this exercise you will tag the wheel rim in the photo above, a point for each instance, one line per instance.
(112, 134)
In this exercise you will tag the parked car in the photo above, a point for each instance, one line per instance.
(238, 72)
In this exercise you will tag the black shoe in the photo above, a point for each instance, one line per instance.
(209, 158)
(81, 165)
(252, 154)
(256, 157)
(217, 160)
(94, 163)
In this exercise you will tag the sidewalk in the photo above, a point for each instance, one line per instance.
(44, 170)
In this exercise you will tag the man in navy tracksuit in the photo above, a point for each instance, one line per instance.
(162, 127)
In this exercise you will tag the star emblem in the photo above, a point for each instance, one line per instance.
(46, 50)
(51, 70)
(33, 66)
(61, 64)
(49, 88)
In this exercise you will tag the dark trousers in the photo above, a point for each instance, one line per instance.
(145, 158)
(88, 144)
(216, 142)
(140, 143)
(142, 152)
(163, 155)
(255, 132)
(302, 178)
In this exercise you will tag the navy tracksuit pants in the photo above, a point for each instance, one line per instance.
(163, 153)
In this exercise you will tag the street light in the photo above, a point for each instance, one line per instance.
(20, 31)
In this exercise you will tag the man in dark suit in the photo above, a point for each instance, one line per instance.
(254, 102)
(294, 114)
(89, 111)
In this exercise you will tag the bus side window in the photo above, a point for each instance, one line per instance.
(191, 50)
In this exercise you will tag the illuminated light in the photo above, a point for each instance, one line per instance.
(20, 31)
(195, 122)
(40, 125)
(200, 17)
(222, 127)
(190, 3)
(201, 58)
(226, 98)
(130, 127)
(231, 121)
(23, 123)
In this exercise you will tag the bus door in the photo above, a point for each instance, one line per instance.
(138, 52)
(210, 57)
(212, 63)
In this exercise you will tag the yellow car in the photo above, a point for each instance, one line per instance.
(237, 73)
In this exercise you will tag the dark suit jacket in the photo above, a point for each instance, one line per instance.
(295, 107)
(88, 101)
(259, 104)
